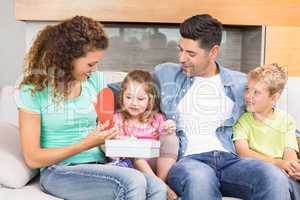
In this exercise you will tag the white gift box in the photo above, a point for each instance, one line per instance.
(132, 148)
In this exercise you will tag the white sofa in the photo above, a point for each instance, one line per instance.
(17, 181)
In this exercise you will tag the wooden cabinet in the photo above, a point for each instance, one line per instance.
(281, 18)
(283, 46)
(237, 12)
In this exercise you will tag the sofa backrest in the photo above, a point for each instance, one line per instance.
(8, 109)
(111, 76)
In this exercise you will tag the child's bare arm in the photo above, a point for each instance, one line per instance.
(290, 154)
(243, 150)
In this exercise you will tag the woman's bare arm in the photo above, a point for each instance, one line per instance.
(37, 157)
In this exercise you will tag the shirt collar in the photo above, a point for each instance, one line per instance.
(225, 75)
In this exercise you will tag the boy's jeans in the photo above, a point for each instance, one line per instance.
(209, 175)
(97, 181)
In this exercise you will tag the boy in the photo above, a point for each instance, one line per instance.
(264, 132)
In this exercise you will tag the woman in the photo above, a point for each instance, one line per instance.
(58, 122)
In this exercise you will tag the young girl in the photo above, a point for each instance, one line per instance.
(139, 117)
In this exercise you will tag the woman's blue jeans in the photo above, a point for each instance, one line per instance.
(213, 174)
(97, 181)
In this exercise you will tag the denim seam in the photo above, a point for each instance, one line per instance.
(110, 178)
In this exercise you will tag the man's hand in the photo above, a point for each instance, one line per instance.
(98, 135)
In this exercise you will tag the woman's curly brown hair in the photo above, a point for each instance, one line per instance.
(50, 59)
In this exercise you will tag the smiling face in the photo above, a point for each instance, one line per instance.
(84, 66)
(196, 61)
(135, 99)
(258, 98)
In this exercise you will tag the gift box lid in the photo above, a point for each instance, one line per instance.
(133, 143)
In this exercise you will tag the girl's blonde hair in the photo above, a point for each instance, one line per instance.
(50, 58)
(273, 75)
(146, 79)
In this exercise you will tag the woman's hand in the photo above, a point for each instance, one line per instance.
(169, 126)
(98, 135)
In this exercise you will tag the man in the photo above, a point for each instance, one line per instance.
(206, 100)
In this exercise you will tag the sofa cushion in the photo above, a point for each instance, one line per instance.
(31, 191)
(13, 171)
(8, 108)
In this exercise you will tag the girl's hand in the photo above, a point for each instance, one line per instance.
(169, 126)
(98, 135)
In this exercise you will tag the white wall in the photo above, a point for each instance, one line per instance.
(12, 44)
(31, 30)
(289, 99)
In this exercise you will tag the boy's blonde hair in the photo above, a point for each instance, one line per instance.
(273, 75)
(145, 78)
